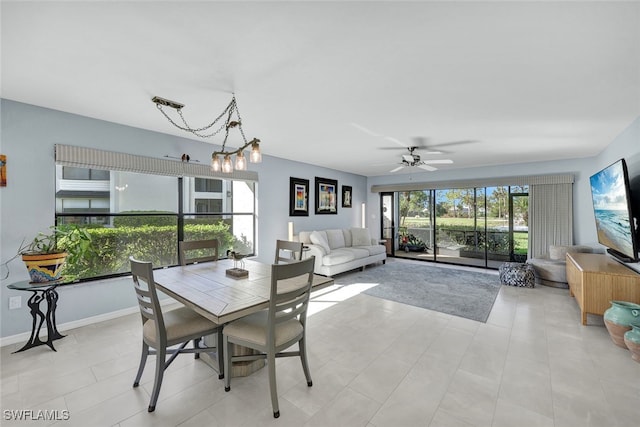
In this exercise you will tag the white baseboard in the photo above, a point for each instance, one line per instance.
(13, 339)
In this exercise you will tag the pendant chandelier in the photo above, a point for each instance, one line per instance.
(228, 119)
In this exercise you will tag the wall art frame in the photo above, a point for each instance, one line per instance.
(298, 197)
(326, 196)
(347, 196)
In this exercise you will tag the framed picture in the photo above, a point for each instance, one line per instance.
(326, 196)
(346, 196)
(298, 197)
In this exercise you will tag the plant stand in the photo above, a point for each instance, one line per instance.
(40, 293)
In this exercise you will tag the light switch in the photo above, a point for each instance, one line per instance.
(15, 302)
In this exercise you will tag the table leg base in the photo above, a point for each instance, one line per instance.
(238, 369)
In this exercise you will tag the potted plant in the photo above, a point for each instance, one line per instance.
(45, 256)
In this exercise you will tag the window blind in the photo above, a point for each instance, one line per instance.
(474, 183)
(83, 157)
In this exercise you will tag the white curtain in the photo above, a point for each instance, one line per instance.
(550, 217)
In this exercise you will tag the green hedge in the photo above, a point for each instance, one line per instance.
(112, 247)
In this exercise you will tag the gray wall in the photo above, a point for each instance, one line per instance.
(28, 134)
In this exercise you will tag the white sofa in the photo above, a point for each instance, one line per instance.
(341, 250)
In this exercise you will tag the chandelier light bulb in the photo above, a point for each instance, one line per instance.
(256, 156)
(241, 162)
(215, 163)
(227, 165)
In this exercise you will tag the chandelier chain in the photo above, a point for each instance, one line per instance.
(228, 123)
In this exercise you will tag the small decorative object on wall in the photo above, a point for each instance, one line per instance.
(3, 170)
(326, 196)
(298, 197)
(346, 196)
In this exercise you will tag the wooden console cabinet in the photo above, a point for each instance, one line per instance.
(595, 280)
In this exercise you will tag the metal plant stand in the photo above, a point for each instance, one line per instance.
(41, 292)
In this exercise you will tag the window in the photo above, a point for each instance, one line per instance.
(208, 205)
(69, 172)
(140, 217)
(204, 185)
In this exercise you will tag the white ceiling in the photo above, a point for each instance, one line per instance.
(331, 83)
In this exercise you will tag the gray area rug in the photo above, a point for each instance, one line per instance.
(461, 293)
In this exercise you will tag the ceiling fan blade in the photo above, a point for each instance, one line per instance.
(407, 158)
(396, 169)
(428, 168)
(438, 162)
(447, 144)
(397, 141)
(365, 130)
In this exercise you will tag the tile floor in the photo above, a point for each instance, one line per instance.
(374, 363)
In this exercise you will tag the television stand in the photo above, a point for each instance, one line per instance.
(595, 280)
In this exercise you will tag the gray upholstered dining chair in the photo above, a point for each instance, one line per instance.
(287, 251)
(210, 246)
(162, 330)
(280, 326)
(207, 250)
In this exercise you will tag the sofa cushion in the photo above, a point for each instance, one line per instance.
(336, 239)
(360, 237)
(374, 249)
(339, 256)
(320, 238)
(347, 237)
(358, 253)
(559, 252)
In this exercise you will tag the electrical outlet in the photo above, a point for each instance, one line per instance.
(15, 302)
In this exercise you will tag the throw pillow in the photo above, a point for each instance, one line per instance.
(335, 238)
(360, 237)
(318, 238)
(558, 252)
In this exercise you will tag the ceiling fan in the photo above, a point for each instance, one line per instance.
(413, 159)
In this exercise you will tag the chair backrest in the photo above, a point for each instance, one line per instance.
(210, 247)
(287, 251)
(290, 291)
(145, 287)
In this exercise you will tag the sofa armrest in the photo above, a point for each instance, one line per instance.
(314, 250)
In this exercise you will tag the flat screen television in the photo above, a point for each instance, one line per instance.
(612, 208)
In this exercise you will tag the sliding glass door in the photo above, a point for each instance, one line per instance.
(483, 226)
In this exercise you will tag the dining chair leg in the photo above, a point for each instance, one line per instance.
(160, 363)
(226, 355)
(271, 361)
(143, 362)
(220, 355)
(305, 363)
(196, 344)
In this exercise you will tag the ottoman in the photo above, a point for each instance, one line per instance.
(517, 274)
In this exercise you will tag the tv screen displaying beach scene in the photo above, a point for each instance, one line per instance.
(610, 193)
